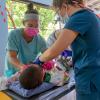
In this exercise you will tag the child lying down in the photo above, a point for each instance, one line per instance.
(4, 81)
(34, 76)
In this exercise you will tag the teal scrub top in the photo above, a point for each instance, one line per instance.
(86, 48)
(26, 52)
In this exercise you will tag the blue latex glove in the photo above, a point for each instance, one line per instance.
(38, 62)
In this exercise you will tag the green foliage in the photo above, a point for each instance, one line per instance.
(46, 17)
(17, 10)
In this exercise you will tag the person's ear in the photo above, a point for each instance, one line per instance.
(67, 7)
(64, 5)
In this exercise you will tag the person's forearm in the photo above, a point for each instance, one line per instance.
(15, 62)
(65, 38)
(54, 50)
(49, 54)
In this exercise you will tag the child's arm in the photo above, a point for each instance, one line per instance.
(13, 77)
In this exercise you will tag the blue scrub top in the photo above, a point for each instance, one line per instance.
(86, 48)
(26, 52)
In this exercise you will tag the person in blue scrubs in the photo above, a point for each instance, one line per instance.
(24, 44)
(82, 32)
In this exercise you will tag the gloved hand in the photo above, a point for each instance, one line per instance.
(38, 62)
(48, 65)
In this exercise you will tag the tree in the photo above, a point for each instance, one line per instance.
(17, 10)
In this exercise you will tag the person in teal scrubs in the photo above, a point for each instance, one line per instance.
(82, 32)
(24, 44)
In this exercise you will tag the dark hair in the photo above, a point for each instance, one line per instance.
(30, 9)
(58, 3)
(31, 77)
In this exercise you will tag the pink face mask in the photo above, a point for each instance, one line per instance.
(31, 31)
